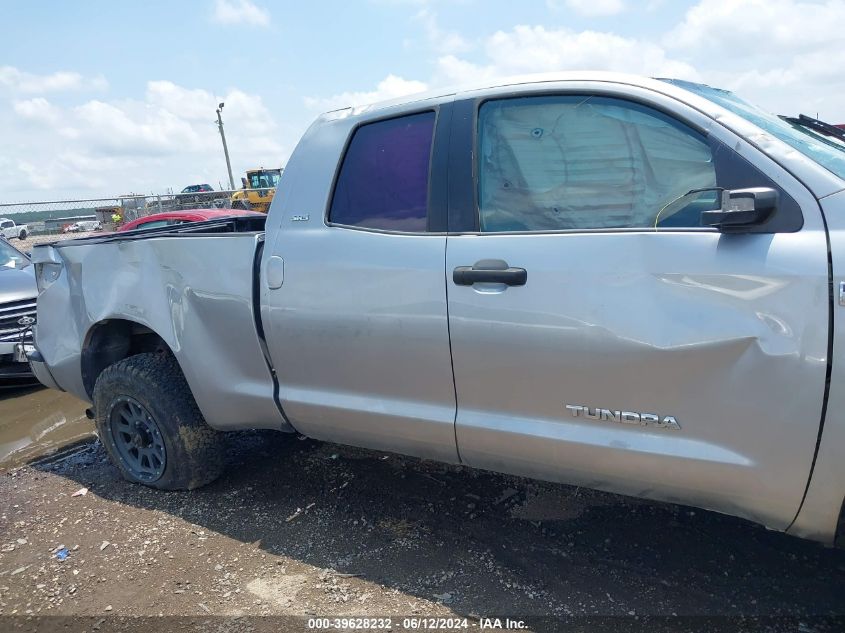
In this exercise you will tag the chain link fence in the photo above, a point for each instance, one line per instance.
(25, 224)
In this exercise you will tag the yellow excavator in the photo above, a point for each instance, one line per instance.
(259, 186)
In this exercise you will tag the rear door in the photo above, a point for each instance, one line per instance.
(610, 340)
(353, 289)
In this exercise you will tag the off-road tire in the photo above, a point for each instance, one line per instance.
(194, 451)
(242, 205)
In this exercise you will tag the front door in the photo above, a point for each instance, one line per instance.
(638, 352)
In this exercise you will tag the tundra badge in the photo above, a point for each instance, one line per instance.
(626, 417)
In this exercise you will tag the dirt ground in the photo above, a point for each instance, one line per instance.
(304, 528)
(32, 240)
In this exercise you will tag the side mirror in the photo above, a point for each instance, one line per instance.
(741, 209)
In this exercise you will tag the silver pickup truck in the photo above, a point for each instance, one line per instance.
(628, 284)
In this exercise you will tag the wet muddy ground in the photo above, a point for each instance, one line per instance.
(300, 527)
(35, 422)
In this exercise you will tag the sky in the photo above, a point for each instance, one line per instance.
(102, 98)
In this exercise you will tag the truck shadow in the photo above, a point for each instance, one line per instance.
(484, 543)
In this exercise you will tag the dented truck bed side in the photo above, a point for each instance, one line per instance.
(196, 294)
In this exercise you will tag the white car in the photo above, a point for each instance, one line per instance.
(84, 225)
(9, 229)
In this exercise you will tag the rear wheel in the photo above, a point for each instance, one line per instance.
(22, 235)
(151, 427)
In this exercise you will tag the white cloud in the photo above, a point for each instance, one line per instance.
(589, 8)
(786, 55)
(391, 87)
(759, 28)
(71, 170)
(240, 12)
(37, 109)
(125, 129)
(23, 82)
(167, 139)
(443, 42)
(531, 49)
(185, 102)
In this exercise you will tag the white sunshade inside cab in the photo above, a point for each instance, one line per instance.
(572, 162)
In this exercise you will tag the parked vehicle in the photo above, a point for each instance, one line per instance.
(628, 284)
(83, 226)
(17, 315)
(201, 193)
(174, 218)
(259, 187)
(197, 189)
(10, 230)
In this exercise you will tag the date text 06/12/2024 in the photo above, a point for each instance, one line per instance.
(416, 623)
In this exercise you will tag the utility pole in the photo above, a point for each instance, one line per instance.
(225, 147)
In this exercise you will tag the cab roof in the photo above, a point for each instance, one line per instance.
(517, 80)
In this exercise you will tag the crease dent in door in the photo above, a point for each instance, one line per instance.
(709, 340)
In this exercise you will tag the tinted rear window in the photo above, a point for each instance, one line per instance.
(383, 182)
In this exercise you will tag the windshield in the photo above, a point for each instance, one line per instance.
(826, 152)
(10, 257)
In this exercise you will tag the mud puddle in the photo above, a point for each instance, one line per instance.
(36, 422)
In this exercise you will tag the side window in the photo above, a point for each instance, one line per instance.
(580, 162)
(152, 225)
(383, 181)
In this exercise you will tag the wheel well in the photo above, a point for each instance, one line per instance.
(113, 340)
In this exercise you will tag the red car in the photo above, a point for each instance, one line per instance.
(171, 218)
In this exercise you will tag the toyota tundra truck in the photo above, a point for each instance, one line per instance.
(629, 284)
